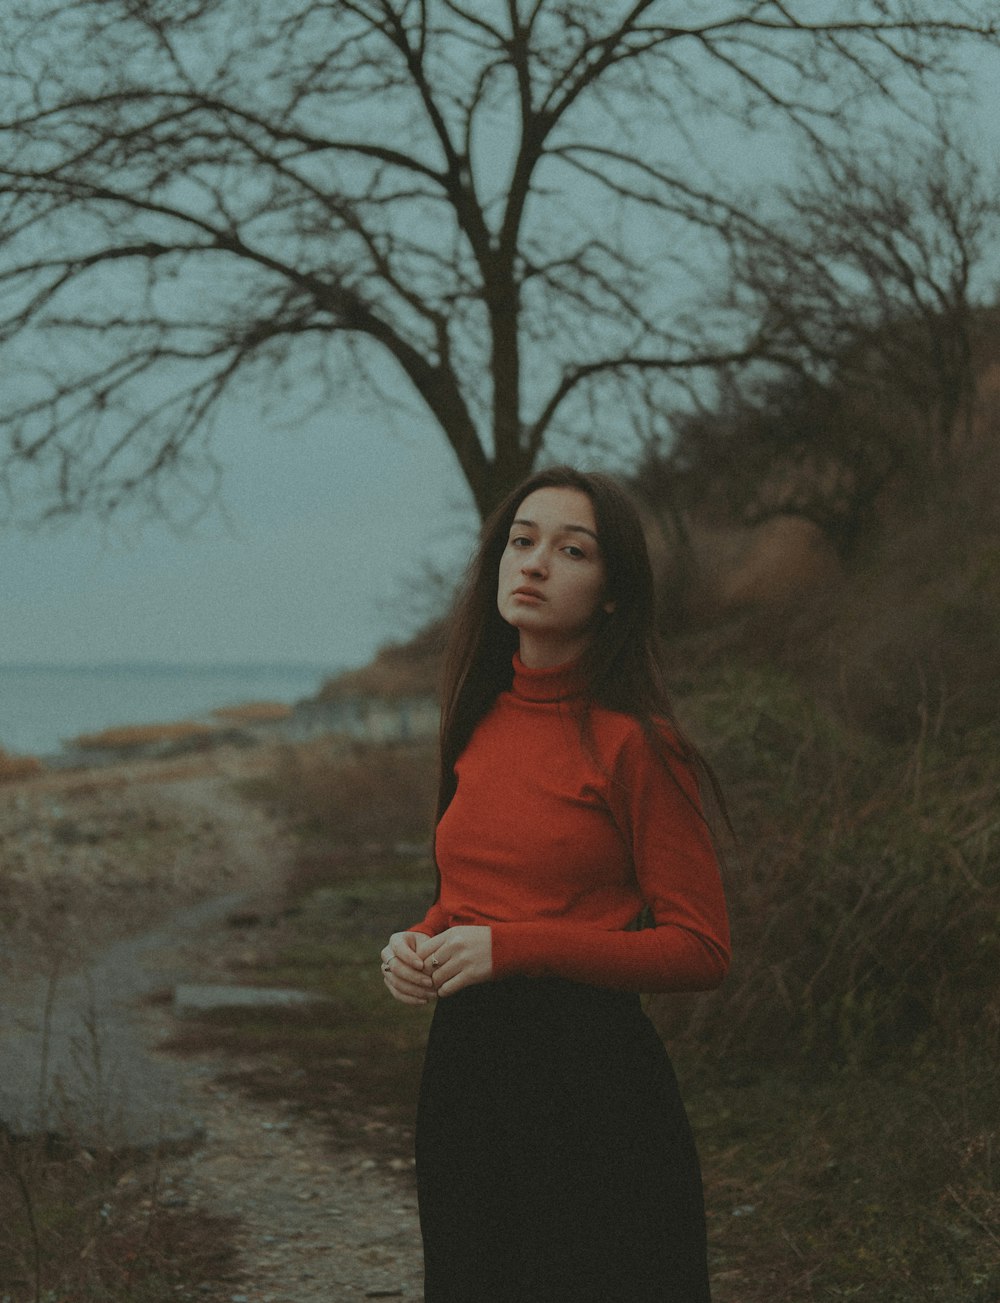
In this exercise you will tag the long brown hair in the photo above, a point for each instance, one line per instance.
(620, 668)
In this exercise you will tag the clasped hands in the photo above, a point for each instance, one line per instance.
(416, 968)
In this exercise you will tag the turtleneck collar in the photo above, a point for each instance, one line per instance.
(554, 683)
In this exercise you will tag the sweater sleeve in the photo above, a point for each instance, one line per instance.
(687, 948)
(433, 922)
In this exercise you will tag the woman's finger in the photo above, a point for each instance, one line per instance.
(447, 974)
(407, 991)
(452, 972)
(400, 971)
(440, 967)
(404, 957)
(403, 998)
(453, 980)
(402, 948)
(405, 983)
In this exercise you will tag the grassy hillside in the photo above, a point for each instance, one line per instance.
(858, 740)
(843, 1081)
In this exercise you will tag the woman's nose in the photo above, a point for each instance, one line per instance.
(534, 563)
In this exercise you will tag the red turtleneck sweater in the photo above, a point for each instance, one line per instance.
(558, 851)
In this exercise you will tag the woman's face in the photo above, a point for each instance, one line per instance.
(552, 583)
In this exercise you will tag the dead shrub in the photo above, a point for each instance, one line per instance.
(360, 794)
(865, 893)
(89, 1224)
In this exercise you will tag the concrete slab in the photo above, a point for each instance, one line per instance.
(191, 999)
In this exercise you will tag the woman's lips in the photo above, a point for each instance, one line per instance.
(528, 595)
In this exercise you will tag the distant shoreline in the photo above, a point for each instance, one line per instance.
(44, 707)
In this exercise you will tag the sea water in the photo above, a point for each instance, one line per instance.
(41, 706)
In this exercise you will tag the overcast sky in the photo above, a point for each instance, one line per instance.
(323, 530)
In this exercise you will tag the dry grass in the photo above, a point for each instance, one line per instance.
(127, 736)
(253, 712)
(842, 1083)
(881, 1182)
(410, 669)
(80, 1225)
(882, 1186)
(356, 794)
(865, 891)
(15, 769)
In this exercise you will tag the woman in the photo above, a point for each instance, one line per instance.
(554, 1157)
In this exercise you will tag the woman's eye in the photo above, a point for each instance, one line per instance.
(520, 540)
(575, 551)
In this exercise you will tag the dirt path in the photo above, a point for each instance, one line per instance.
(108, 880)
(312, 1225)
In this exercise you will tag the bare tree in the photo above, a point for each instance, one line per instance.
(875, 281)
(877, 277)
(494, 203)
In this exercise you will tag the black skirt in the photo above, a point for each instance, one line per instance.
(554, 1157)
